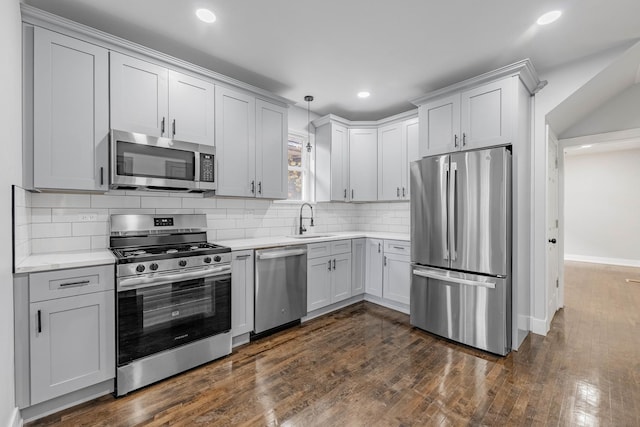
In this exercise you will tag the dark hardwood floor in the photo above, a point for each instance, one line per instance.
(365, 366)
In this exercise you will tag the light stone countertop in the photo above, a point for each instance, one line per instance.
(275, 241)
(61, 260)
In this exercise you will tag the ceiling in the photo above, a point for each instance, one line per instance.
(332, 49)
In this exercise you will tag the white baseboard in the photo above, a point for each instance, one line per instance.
(16, 419)
(602, 260)
(539, 326)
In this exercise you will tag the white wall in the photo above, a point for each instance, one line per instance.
(10, 173)
(602, 202)
(562, 82)
(620, 113)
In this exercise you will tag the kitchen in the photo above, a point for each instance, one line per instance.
(235, 215)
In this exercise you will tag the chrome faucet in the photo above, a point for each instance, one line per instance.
(302, 229)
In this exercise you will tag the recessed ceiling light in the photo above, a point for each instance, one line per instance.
(363, 94)
(205, 15)
(585, 146)
(549, 17)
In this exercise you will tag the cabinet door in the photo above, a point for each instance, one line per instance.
(363, 164)
(410, 141)
(341, 277)
(391, 155)
(358, 265)
(241, 292)
(71, 113)
(271, 150)
(72, 344)
(440, 126)
(397, 278)
(139, 96)
(374, 267)
(319, 283)
(235, 143)
(191, 109)
(339, 163)
(486, 115)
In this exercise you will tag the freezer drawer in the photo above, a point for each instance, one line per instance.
(471, 309)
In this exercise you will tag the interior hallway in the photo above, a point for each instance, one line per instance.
(365, 365)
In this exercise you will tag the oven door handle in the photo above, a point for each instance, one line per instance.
(171, 278)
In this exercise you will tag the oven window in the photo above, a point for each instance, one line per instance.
(154, 162)
(158, 318)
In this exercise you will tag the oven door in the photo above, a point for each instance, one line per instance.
(175, 310)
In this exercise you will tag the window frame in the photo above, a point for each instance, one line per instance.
(304, 169)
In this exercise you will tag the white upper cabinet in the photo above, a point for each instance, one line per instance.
(235, 143)
(150, 99)
(474, 118)
(271, 150)
(363, 164)
(332, 163)
(70, 112)
(397, 147)
(191, 109)
(139, 96)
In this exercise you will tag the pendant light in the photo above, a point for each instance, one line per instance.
(308, 98)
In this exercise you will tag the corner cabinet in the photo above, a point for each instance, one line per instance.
(68, 122)
(72, 330)
(474, 118)
(363, 165)
(153, 100)
(251, 146)
(242, 284)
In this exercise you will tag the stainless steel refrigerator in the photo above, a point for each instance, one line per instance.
(461, 247)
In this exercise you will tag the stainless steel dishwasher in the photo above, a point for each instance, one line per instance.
(280, 287)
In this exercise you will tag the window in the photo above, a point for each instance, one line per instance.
(297, 160)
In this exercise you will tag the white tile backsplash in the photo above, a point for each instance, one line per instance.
(56, 218)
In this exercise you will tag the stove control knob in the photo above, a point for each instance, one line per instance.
(153, 266)
(207, 259)
(217, 258)
(182, 263)
(140, 268)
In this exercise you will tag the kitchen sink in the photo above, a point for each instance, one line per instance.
(309, 236)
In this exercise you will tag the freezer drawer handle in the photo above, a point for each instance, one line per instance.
(281, 254)
(430, 275)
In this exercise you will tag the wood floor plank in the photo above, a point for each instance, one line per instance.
(366, 366)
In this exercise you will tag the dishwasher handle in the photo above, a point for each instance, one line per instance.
(280, 253)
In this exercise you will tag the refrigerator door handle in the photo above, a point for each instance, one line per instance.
(453, 210)
(446, 278)
(443, 204)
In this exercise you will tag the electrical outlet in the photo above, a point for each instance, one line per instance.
(89, 217)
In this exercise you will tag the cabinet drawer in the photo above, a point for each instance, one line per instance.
(65, 283)
(316, 250)
(341, 247)
(399, 247)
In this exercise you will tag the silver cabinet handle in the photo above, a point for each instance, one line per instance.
(101, 175)
(241, 257)
(329, 265)
(378, 247)
(39, 319)
(334, 263)
(455, 140)
(446, 278)
(464, 139)
(173, 127)
(79, 283)
(403, 193)
(352, 193)
(398, 192)
(345, 193)
(162, 127)
(259, 187)
(385, 260)
(402, 248)
(253, 187)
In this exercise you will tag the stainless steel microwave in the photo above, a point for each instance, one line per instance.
(143, 162)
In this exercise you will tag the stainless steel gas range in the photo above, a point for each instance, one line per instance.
(173, 297)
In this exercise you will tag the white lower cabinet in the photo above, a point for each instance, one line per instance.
(358, 265)
(72, 330)
(397, 278)
(242, 283)
(373, 277)
(328, 276)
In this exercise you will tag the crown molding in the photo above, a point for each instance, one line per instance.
(40, 18)
(523, 69)
(332, 118)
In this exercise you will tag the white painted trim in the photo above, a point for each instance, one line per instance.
(602, 260)
(539, 326)
(617, 136)
(330, 308)
(402, 308)
(16, 419)
(332, 118)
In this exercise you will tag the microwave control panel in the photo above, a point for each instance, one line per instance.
(206, 167)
